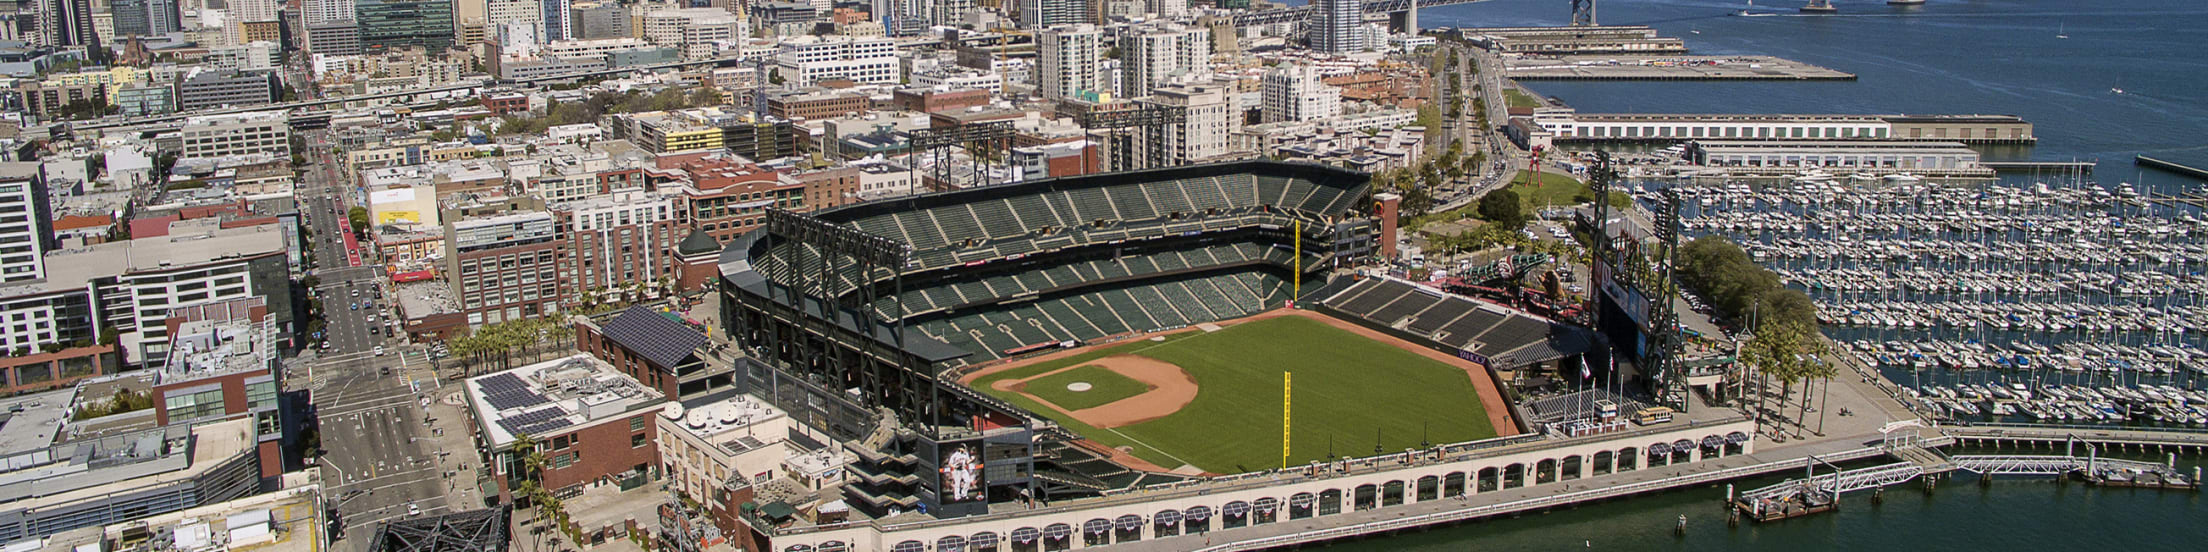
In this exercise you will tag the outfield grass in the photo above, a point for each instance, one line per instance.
(1106, 386)
(1348, 391)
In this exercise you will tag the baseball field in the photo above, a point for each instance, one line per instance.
(1212, 400)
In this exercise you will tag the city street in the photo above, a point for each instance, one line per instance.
(378, 462)
(379, 465)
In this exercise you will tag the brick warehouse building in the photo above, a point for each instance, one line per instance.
(658, 351)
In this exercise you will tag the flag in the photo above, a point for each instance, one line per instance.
(1584, 371)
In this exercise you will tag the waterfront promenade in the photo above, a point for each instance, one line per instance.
(1782, 460)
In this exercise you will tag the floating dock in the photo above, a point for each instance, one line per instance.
(1818, 493)
(1666, 68)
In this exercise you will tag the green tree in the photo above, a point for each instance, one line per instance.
(359, 217)
(1503, 208)
(1790, 352)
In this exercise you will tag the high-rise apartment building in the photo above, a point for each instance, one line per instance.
(1337, 26)
(1293, 92)
(559, 21)
(610, 240)
(324, 11)
(66, 22)
(1070, 55)
(1042, 14)
(26, 222)
(1202, 137)
(246, 13)
(1151, 56)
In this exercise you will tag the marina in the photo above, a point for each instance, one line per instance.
(2068, 303)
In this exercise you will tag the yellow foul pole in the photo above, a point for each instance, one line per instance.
(1285, 386)
(1298, 292)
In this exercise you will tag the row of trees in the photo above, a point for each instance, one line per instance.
(1740, 289)
(1783, 342)
(496, 346)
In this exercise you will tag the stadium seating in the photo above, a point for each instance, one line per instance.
(997, 218)
(1096, 257)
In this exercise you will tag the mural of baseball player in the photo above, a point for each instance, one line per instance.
(961, 474)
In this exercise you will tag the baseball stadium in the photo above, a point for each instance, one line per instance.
(1085, 334)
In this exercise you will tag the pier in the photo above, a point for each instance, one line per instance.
(1666, 68)
(1819, 493)
(2187, 170)
(2076, 167)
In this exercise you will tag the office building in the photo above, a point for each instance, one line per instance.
(694, 30)
(337, 37)
(499, 13)
(56, 487)
(237, 134)
(806, 60)
(146, 17)
(130, 286)
(244, 14)
(595, 20)
(1292, 92)
(209, 89)
(1070, 55)
(402, 23)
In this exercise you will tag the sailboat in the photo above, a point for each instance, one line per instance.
(2059, 31)
(1750, 11)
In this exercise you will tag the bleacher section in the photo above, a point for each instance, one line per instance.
(1507, 337)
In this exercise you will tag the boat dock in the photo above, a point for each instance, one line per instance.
(2077, 167)
(2187, 170)
(1666, 68)
(2196, 198)
(1818, 493)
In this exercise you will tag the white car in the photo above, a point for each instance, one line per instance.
(412, 510)
(379, 350)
